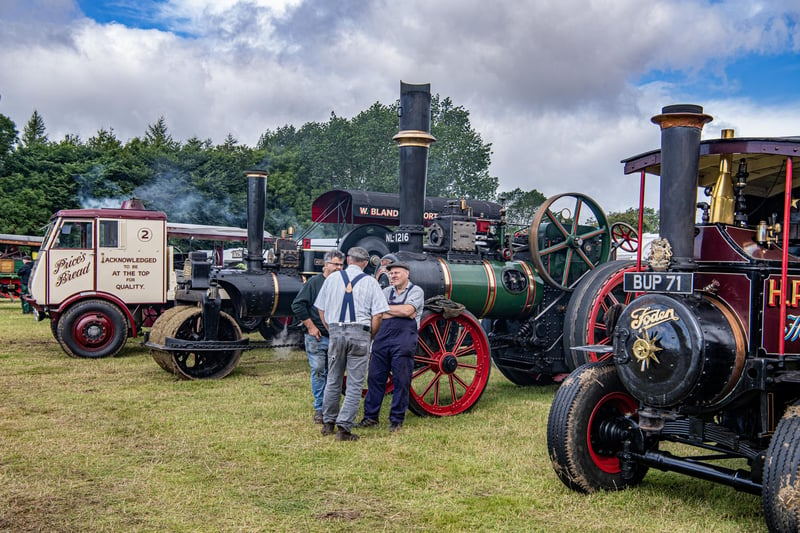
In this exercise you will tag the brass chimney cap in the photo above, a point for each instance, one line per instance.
(687, 115)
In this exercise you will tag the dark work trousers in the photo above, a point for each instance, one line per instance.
(392, 350)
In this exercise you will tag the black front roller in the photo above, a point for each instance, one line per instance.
(586, 418)
(187, 324)
(781, 487)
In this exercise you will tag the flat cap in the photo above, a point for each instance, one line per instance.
(397, 264)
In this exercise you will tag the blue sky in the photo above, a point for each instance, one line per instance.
(134, 14)
(562, 90)
(770, 78)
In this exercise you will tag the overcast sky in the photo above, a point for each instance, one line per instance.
(562, 89)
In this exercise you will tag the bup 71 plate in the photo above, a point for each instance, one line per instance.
(669, 282)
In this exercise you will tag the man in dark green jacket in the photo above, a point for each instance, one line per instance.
(24, 274)
(316, 336)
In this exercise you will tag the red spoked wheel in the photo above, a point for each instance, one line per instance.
(451, 366)
(592, 312)
(624, 237)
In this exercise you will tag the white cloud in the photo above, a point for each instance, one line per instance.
(553, 86)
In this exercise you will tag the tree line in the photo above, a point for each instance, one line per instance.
(197, 181)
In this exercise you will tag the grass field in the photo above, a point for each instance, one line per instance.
(119, 445)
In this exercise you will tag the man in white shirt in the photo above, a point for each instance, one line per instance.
(351, 305)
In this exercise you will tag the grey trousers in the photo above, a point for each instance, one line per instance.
(348, 352)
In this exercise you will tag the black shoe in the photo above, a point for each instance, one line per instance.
(343, 434)
(327, 429)
(367, 423)
(318, 417)
(396, 426)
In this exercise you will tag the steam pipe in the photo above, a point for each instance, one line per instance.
(640, 227)
(787, 204)
(680, 159)
(414, 138)
(256, 208)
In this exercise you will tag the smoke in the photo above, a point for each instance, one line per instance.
(285, 341)
(171, 191)
(95, 191)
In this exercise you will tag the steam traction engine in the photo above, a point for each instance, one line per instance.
(514, 286)
(702, 346)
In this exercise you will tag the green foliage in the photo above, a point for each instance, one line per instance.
(650, 220)
(521, 205)
(8, 139)
(459, 161)
(199, 182)
(34, 132)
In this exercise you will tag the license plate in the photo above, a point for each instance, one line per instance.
(669, 282)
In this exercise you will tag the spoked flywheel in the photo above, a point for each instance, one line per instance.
(568, 237)
(624, 237)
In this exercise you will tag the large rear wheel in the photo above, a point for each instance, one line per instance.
(583, 450)
(592, 312)
(187, 324)
(451, 366)
(781, 489)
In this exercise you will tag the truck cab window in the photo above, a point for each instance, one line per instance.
(75, 234)
(109, 234)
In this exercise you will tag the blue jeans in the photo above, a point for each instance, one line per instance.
(317, 351)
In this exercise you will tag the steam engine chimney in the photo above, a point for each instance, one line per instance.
(256, 206)
(413, 139)
(680, 158)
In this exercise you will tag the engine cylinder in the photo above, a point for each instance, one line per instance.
(679, 349)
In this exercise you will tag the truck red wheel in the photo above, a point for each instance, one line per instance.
(586, 316)
(92, 329)
(187, 324)
(582, 449)
(451, 366)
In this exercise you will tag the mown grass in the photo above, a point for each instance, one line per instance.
(119, 445)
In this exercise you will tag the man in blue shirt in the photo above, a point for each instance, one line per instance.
(351, 305)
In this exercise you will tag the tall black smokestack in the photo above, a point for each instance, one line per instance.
(680, 158)
(256, 206)
(413, 139)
